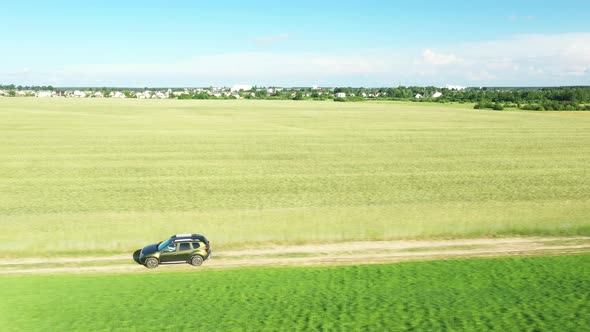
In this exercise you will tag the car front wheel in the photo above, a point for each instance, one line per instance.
(151, 263)
(196, 260)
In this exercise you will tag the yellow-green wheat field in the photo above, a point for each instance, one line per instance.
(107, 176)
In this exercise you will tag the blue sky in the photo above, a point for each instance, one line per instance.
(332, 43)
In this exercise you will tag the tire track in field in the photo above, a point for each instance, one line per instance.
(345, 253)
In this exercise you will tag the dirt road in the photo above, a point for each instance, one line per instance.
(346, 253)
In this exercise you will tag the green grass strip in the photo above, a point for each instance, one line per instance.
(507, 294)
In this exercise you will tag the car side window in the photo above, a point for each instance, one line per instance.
(185, 246)
(170, 248)
(196, 245)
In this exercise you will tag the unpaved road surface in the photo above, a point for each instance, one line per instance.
(345, 253)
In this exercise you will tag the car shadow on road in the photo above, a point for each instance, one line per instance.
(136, 256)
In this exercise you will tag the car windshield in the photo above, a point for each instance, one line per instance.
(164, 244)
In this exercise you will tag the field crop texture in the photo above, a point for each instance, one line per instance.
(509, 294)
(104, 176)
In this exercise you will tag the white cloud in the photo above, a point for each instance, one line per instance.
(532, 70)
(226, 69)
(515, 17)
(433, 58)
(527, 60)
(271, 39)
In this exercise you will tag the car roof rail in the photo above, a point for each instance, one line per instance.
(182, 235)
(188, 236)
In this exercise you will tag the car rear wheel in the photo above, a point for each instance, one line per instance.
(196, 260)
(151, 263)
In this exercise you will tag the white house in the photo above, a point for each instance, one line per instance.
(243, 87)
(160, 95)
(45, 94)
(118, 94)
(79, 94)
(144, 95)
(418, 96)
(98, 94)
(340, 95)
(437, 94)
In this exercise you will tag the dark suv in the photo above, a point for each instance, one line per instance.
(181, 248)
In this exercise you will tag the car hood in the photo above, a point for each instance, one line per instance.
(152, 248)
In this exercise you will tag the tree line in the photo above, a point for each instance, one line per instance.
(542, 99)
(26, 87)
(538, 99)
(546, 98)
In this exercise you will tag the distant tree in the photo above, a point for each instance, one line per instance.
(201, 95)
(345, 90)
(498, 107)
(261, 94)
(298, 96)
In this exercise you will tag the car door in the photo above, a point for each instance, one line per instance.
(184, 251)
(169, 253)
